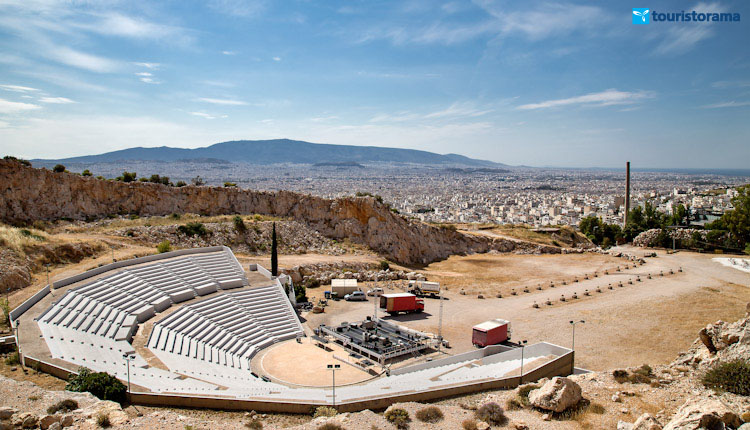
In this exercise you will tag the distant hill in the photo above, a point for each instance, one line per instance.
(281, 151)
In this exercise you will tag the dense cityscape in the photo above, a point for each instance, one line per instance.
(534, 196)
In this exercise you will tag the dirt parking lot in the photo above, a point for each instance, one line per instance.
(649, 321)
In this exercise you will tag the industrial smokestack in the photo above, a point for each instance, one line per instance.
(627, 193)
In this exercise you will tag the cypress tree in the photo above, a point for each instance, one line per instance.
(274, 253)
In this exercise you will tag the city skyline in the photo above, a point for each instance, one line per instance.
(565, 84)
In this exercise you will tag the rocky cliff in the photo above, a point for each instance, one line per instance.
(28, 194)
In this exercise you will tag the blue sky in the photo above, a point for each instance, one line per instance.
(535, 83)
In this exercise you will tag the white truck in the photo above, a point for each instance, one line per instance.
(424, 288)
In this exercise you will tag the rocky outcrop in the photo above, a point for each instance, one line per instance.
(719, 341)
(702, 413)
(29, 194)
(557, 395)
(683, 235)
(323, 273)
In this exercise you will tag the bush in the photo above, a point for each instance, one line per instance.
(239, 224)
(491, 413)
(66, 405)
(254, 425)
(59, 168)
(100, 384)
(127, 177)
(398, 417)
(513, 405)
(312, 283)
(733, 377)
(86, 172)
(324, 411)
(523, 393)
(20, 160)
(102, 420)
(180, 184)
(163, 247)
(469, 425)
(13, 358)
(384, 265)
(192, 229)
(430, 414)
(230, 184)
(330, 426)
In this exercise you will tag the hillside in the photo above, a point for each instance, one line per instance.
(281, 151)
(38, 194)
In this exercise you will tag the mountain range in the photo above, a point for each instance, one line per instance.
(280, 151)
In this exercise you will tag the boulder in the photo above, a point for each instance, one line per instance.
(481, 425)
(703, 413)
(556, 395)
(67, 421)
(745, 426)
(622, 425)
(25, 420)
(646, 422)
(55, 426)
(6, 412)
(47, 421)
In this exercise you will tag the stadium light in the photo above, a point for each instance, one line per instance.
(523, 346)
(127, 358)
(573, 323)
(333, 368)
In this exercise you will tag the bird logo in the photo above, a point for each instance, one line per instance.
(641, 13)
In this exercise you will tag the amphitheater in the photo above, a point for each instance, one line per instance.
(186, 328)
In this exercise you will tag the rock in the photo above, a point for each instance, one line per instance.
(6, 412)
(48, 420)
(67, 421)
(617, 398)
(55, 426)
(521, 426)
(701, 413)
(25, 420)
(706, 339)
(646, 422)
(622, 425)
(481, 425)
(745, 426)
(745, 417)
(556, 395)
(546, 417)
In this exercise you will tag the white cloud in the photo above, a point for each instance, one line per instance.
(116, 24)
(7, 106)
(729, 104)
(276, 58)
(83, 60)
(228, 52)
(603, 98)
(239, 8)
(681, 38)
(144, 74)
(151, 66)
(228, 102)
(731, 84)
(459, 110)
(150, 81)
(56, 100)
(18, 88)
(207, 115)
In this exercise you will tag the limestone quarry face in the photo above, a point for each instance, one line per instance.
(29, 194)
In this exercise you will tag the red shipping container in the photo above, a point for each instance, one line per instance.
(490, 332)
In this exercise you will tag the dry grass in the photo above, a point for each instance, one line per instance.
(20, 239)
(174, 219)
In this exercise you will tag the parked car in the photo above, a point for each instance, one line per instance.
(356, 296)
(375, 292)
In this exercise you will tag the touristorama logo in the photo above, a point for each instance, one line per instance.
(640, 15)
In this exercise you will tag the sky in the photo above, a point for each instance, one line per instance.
(571, 84)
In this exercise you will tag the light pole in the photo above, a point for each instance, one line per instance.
(333, 368)
(573, 323)
(18, 342)
(523, 346)
(127, 358)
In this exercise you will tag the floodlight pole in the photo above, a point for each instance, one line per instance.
(440, 322)
(573, 323)
(332, 368)
(523, 346)
(127, 358)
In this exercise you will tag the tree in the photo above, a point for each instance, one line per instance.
(128, 177)
(737, 220)
(59, 168)
(198, 181)
(100, 384)
(274, 253)
(239, 224)
(86, 172)
(180, 184)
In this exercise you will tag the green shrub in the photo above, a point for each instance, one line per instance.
(100, 384)
(523, 393)
(384, 265)
(180, 184)
(239, 224)
(86, 172)
(733, 376)
(66, 405)
(491, 413)
(127, 177)
(513, 405)
(20, 160)
(13, 358)
(163, 247)
(312, 283)
(230, 184)
(620, 375)
(398, 417)
(59, 168)
(193, 229)
(102, 420)
(324, 411)
(469, 425)
(430, 414)
(254, 425)
(330, 426)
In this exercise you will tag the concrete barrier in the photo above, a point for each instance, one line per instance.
(25, 306)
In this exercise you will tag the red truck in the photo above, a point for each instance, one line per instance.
(490, 333)
(401, 302)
